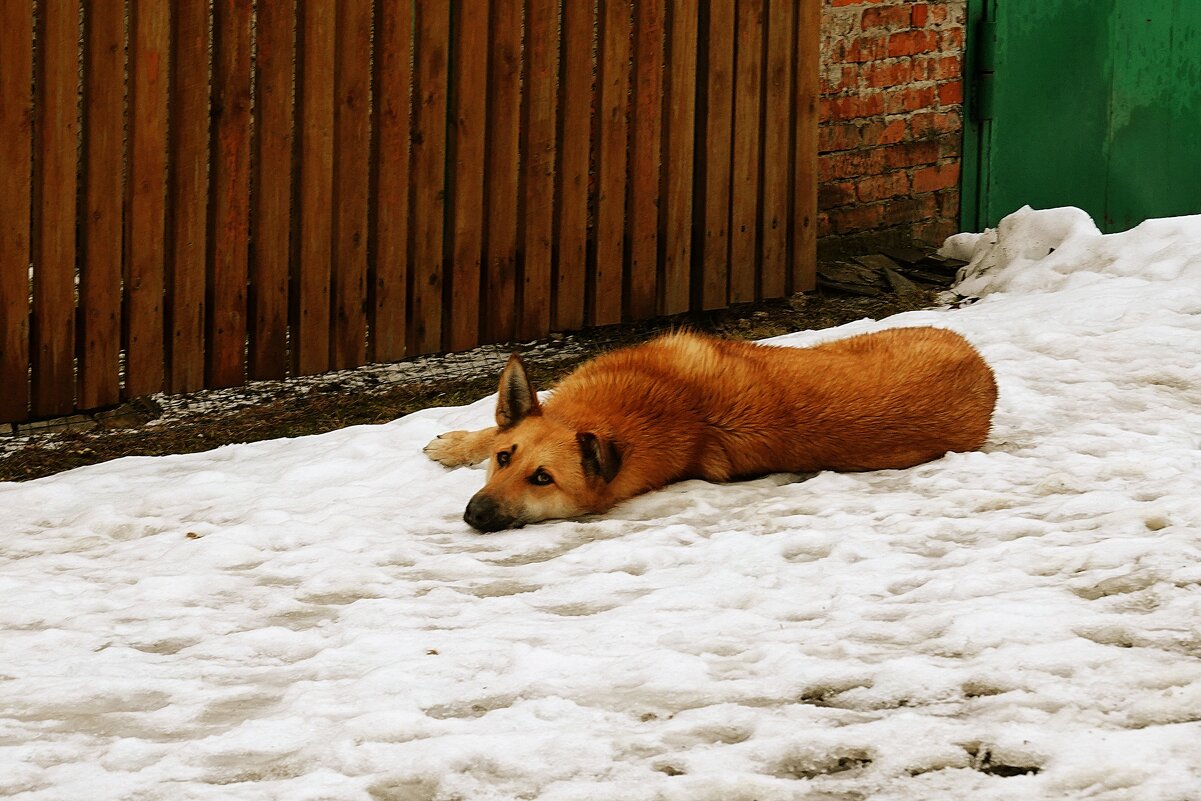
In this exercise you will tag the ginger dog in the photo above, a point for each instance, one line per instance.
(690, 406)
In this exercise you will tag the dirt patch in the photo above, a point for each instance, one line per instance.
(381, 393)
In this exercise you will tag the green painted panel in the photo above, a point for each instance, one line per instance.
(1050, 111)
(1154, 157)
(1090, 103)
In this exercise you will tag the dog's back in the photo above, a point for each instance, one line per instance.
(885, 400)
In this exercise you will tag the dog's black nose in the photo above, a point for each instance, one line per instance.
(484, 514)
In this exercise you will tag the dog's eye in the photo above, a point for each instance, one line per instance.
(541, 478)
(503, 457)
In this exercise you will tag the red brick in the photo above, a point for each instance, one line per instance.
(850, 219)
(950, 145)
(838, 22)
(851, 107)
(890, 17)
(910, 154)
(910, 43)
(932, 179)
(951, 40)
(887, 134)
(919, 98)
(823, 224)
(926, 124)
(828, 109)
(946, 68)
(836, 136)
(950, 93)
(840, 79)
(850, 164)
(835, 194)
(918, 15)
(937, 68)
(934, 232)
(837, 3)
(948, 202)
(910, 209)
(939, 13)
(880, 187)
(891, 73)
(863, 48)
(906, 98)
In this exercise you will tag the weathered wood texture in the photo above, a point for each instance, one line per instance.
(285, 187)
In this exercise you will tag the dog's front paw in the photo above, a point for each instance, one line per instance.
(453, 449)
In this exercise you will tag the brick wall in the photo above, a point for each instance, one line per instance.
(891, 122)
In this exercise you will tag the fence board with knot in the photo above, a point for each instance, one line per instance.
(198, 194)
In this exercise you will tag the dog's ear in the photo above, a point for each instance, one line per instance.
(600, 457)
(515, 399)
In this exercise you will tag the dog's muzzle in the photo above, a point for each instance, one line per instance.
(485, 514)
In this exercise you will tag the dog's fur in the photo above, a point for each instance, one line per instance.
(691, 406)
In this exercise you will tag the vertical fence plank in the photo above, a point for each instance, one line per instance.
(575, 152)
(270, 217)
(188, 196)
(538, 171)
(310, 346)
(16, 132)
(393, 78)
(429, 172)
(613, 108)
(777, 102)
(229, 268)
(56, 161)
(352, 149)
(678, 155)
(717, 148)
(145, 217)
(804, 116)
(645, 143)
(468, 127)
(504, 115)
(748, 131)
(104, 158)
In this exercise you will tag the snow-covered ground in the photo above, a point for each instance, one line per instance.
(311, 619)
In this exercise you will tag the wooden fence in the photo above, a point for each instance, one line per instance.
(197, 193)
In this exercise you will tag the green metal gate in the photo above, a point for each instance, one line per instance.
(1089, 103)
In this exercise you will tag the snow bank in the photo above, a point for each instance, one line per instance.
(1056, 249)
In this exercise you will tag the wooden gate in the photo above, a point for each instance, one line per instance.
(196, 194)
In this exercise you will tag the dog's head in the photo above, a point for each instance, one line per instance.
(540, 468)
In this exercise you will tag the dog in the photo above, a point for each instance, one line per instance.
(687, 406)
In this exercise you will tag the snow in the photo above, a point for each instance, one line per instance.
(311, 619)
